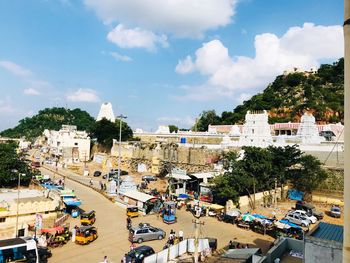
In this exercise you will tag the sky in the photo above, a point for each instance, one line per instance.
(159, 62)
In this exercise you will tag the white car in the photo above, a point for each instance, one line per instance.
(297, 219)
(303, 213)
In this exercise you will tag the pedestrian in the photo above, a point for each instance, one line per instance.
(132, 246)
(238, 246)
(105, 260)
(74, 231)
(128, 222)
(181, 235)
(124, 258)
(91, 182)
(231, 245)
(101, 185)
(104, 186)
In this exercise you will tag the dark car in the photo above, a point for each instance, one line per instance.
(115, 171)
(97, 173)
(309, 208)
(138, 254)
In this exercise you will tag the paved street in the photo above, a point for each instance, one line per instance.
(111, 224)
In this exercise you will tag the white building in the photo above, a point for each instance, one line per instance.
(106, 111)
(308, 132)
(256, 130)
(163, 130)
(69, 143)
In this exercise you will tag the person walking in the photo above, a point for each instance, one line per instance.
(128, 222)
(181, 235)
(105, 259)
(101, 185)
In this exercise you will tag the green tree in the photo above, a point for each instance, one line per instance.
(11, 165)
(308, 174)
(173, 128)
(206, 118)
(104, 131)
(52, 119)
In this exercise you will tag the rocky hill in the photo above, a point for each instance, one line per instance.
(50, 118)
(290, 95)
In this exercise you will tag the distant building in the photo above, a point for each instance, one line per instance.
(68, 143)
(106, 111)
(308, 131)
(163, 130)
(299, 70)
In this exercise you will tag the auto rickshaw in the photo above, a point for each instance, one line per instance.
(169, 212)
(85, 235)
(88, 218)
(132, 211)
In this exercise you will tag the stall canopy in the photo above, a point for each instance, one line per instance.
(136, 195)
(203, 175)
(53, 230)
(178, 176)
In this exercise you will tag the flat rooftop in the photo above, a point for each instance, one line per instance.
(329, 232)
(9, 195)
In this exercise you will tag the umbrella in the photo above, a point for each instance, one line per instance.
(248, 217)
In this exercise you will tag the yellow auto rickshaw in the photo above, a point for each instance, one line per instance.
(85, 235)
(88, 218)
(132, 211)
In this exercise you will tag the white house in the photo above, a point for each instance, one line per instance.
(69, 143)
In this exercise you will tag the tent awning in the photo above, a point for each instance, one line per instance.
(203, 175)
(136, 195)
(178, 176)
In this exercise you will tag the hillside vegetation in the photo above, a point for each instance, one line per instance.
(50, 118)
(289, 96)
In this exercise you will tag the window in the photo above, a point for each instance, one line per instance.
(2, 219)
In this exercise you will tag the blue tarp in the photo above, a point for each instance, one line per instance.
(290, 224)
(295, 195)
(72, 201)
(259, 216)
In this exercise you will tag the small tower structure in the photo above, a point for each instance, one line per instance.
(256, 130)
(106, 111)
(308, 132)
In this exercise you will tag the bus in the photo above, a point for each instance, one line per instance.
(22, 249)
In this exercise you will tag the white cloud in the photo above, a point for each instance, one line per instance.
(301, 47)
(83, 95)
(15, 69)
(31, 92)
(120, 57)
(136, 38)
(183, 18)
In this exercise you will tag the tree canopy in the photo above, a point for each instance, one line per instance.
(12, 165)
(52, 119)
(260, 169)
(104, 131)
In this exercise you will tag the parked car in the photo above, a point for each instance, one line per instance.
(309, 208)
(138, 254)
(145, 232)
(308, 216)
(115, 171)
(149, 178)
(97, 173)
(335, 211)
(297, 219)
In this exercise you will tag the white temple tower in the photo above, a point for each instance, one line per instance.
(308, 132)
(106, 111)
(256, 130)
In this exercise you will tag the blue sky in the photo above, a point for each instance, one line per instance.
(159, 62)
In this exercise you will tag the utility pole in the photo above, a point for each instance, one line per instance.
(197, 224)
(346, 243)
(120, 117)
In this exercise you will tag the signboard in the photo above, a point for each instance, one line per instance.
(38, 221)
